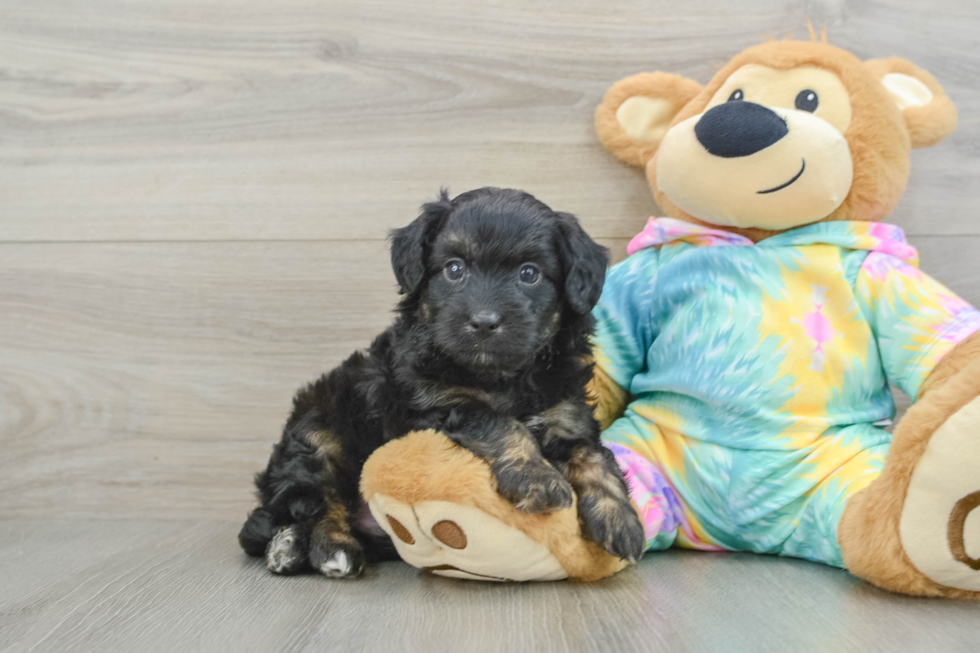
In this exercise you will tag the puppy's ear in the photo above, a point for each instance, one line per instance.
(584, 262)
(410, 245)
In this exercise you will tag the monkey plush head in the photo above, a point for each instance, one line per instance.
(786, 134)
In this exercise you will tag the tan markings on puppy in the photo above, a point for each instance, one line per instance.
(587, 474)
(334, 527)
(461, 241)
(524, 477)
(604, 503)
(554, 323)
(608, 507)
(327, 444)
(463, 393)
(430, 395)
(616, 517)
(564, 420)
(551, 493)
(518, 449)
(608, 400)
(337, 517)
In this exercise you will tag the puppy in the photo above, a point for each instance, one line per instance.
(491, 347)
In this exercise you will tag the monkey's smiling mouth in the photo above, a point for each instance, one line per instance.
(782, 186)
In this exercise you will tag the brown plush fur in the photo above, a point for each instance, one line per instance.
(868, 533)
(927, 125)
(427, 466)
(679, 90)
(879, 135)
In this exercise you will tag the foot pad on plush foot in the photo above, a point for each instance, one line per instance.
(440, 506)
(459, 541)
(940, 523)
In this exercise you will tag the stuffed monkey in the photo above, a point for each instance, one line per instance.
(745, 347)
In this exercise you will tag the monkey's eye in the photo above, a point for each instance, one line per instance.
(529, 274)
(454, 269)
(736, 95)
(807, 100)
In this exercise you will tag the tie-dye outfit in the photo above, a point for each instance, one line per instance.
(760, 375)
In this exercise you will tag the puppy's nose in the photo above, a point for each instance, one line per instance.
(485, 322)
(739, 128)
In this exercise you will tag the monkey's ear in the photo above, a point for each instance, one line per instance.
(929, 113)
(410, 245)
(636, 112)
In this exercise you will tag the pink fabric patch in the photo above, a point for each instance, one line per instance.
(890, 239)
(871, 236)
(656, 501)
(664, 230)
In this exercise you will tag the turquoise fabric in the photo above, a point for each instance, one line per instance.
(760, 374)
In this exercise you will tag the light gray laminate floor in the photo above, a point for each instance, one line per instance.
(194, 199)
(139, 585)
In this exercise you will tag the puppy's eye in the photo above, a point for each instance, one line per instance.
(736, 95)
(454, 269)
(807, 100)
(530, 274)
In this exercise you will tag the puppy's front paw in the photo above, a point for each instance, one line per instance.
(284, 554)
(613, 525)
(534, 487)
(338, 559)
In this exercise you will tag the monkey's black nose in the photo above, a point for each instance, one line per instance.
(485, 322)
(739, 128)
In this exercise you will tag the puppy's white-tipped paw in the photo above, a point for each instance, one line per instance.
(283, 555)
(337, 566)
(338, 560)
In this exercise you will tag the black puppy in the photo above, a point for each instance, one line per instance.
(491, 347)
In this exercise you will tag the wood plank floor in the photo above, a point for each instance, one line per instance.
(194, 200)
(140, 585)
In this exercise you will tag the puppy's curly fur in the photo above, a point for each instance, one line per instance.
(490, 346)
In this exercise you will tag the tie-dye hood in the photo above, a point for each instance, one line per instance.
(871, 236)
